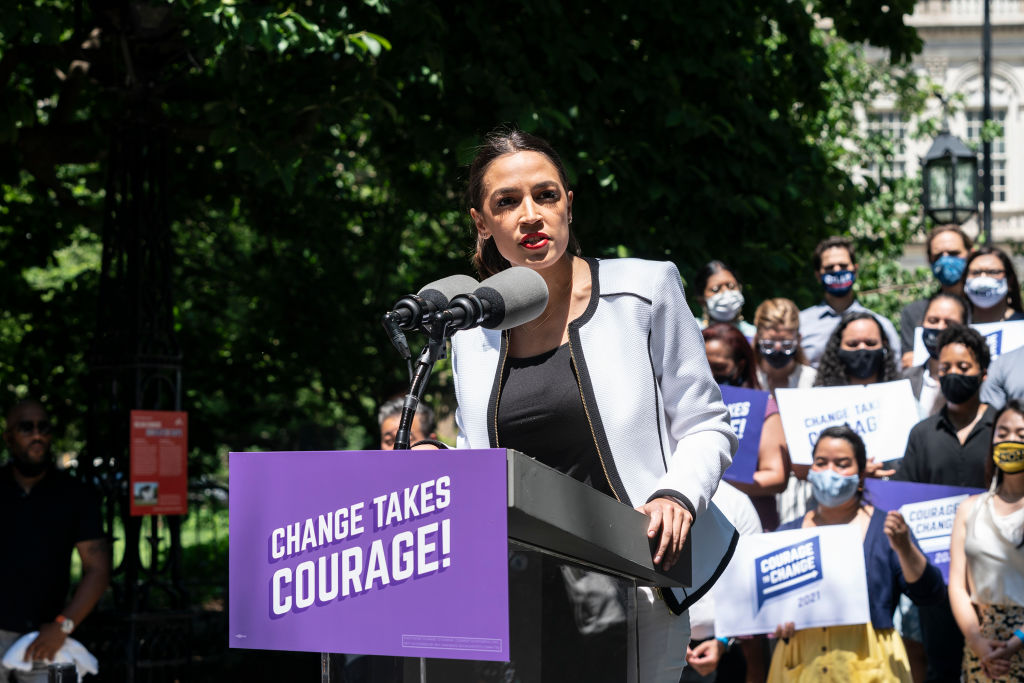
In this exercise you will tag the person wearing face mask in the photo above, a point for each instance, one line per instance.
(781, 364)
(44, 515)
(948, 248)
(951, 448)
(987, 545)
(720, 295)
(991, 285)
(836, 268)
(858, 352)
(942, 310)
(732, 363)
(730, 356)
(780, 359)
(894, 564)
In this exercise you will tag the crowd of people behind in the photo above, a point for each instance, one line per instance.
(573, 389)
(970, 434)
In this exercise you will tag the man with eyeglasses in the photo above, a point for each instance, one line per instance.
(836, 267)
(44, 513)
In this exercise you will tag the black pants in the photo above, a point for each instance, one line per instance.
(943, 642)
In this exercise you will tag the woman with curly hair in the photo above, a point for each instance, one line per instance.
(858, 352)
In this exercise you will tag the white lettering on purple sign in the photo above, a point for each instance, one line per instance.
(356, 569)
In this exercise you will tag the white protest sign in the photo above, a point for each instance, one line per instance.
(1002, 337)
(931, 522)
(812, 577)
(882, 414)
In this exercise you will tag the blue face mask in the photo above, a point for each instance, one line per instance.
(832, 489)
(839, 283)
(948, 269)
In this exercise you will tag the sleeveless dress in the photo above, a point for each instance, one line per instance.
(995, 576)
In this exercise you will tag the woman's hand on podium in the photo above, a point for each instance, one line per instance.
(672, 521)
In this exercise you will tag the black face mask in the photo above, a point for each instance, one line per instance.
(778, 359)
(730, 380)
(862, 363)
(959, 388)
(930, 337)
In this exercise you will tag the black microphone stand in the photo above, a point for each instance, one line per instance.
(435, 350)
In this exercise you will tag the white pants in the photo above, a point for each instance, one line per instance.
(662, 638)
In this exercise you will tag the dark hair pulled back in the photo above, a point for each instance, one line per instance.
(499, 142)
(847, 434)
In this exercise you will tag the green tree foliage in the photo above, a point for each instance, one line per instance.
(317, 162)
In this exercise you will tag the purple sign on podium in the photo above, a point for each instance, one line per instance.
(400, 553)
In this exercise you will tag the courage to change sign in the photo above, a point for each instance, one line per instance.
(370, 552)
(929, 510)
(807, 576)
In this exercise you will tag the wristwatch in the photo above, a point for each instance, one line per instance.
(67, 624)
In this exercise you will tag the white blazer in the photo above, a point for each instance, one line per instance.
(656, 414)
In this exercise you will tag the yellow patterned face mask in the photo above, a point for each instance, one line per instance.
(1009, 456)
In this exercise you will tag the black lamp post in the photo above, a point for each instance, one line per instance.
(986, 115)
(950, 179)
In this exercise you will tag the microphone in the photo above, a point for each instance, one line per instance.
(414, 310)
(510, 298)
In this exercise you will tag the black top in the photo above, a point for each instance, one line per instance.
(935, 456)
(38, 530)
(540, 413)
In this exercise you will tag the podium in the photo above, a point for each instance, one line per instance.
(576, 557)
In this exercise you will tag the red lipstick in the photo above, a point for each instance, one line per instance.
(535, 240)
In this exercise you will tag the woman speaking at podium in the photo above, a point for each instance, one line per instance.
(609, 384)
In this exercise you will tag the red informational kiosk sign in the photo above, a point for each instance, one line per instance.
(159, 463)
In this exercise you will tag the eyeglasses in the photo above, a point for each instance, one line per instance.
(28, 427)
(997, 273)
(784, 345)
(732, 286)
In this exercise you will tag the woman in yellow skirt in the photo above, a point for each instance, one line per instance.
(858, 653)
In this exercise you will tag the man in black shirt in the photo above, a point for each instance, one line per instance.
(44, 513)
(951, 448)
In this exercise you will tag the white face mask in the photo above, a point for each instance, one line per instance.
(985, 291)
(725, 306)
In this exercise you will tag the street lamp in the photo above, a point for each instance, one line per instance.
(950, 179)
